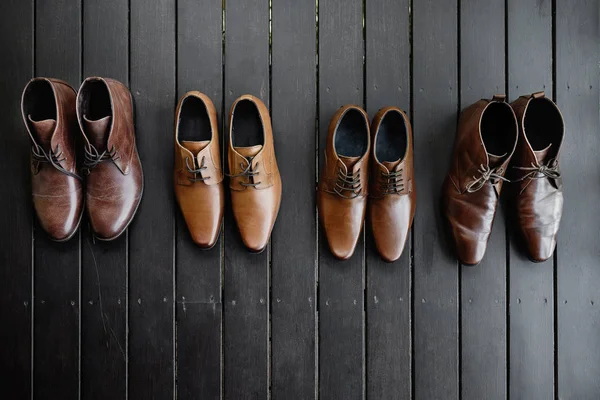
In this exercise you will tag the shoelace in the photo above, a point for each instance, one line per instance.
(536, 171)
(392, 182)
(196, 171)
(93, 157)
(487, 174)
(347, 183)
(248, 172)
(52, 157)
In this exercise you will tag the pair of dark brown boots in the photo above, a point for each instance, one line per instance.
(254, 184)
(356, 168)
(102, 111)
(517, 143)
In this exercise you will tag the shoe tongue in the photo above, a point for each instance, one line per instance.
(249, 151)
(391, 165)
(43, 130)
(349, 161)
(495, 160)
(542, 155)
(195, 147)
(97, 131)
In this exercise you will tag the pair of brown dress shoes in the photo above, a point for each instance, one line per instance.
(356, 168)
(255, 183)
(516, 143)
(102, 111)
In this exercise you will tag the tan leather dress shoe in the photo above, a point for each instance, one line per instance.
(114, 178)
(342, 191)
(255, 181)
(484, 144)
(198, 176)
(392, 195)
(536, 194)
(48, 109)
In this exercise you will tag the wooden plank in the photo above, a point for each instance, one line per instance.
(436, 296)
(16, 29)
(341, 284)
(198, 272)
(57, 265)
(246, 287)
(104, 269)
(151, 235)
(294, 272)
(578, 96)
(388, 285)
(531, 289)
(483, 288)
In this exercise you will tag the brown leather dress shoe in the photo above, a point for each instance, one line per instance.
(48, 108)
(198, 176)
(114, 179)
(485, 142)
(255, 181)
(392, 195)
(342, 195)
(536, 189)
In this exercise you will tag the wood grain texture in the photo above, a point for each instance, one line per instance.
(483, 288)
(388, 285)
(198, 272)
(246, 285)
(294, 264)
(151, 234)
(531, 286)
(577, 95)
(341, 283)
(104, 270)
(57, 265)
(436, 295)
(16, 29)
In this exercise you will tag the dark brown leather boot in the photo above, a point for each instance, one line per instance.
(113, 171)
(536, 195)
(485, 142)
(342, 193)
(255, 181)
(198, 176)
(392, 195)
(48, 108)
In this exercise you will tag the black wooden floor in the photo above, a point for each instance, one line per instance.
(150, 316)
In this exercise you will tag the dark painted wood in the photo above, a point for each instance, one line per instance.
(294, 264)
(57, 265)
(151, 235)
(388, 285)
(341, 283)
(578, 96)
(531, 286)
(435, 295)
(16, 29)
(246, 285)
(104, 269)
(483, 288)
(198, 272)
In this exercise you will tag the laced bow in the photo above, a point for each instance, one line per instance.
(52, 157)
(392, 182)
(487, 174)
(93, 157)
(248, 172)
(197, 171)
(538, 171)
(347, 182)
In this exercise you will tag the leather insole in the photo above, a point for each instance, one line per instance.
(391, 141)
(543, 124)
(498, 129)
(95, 100)
(194, 122)
(247, 128)
(39, 101)
(351, 139)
